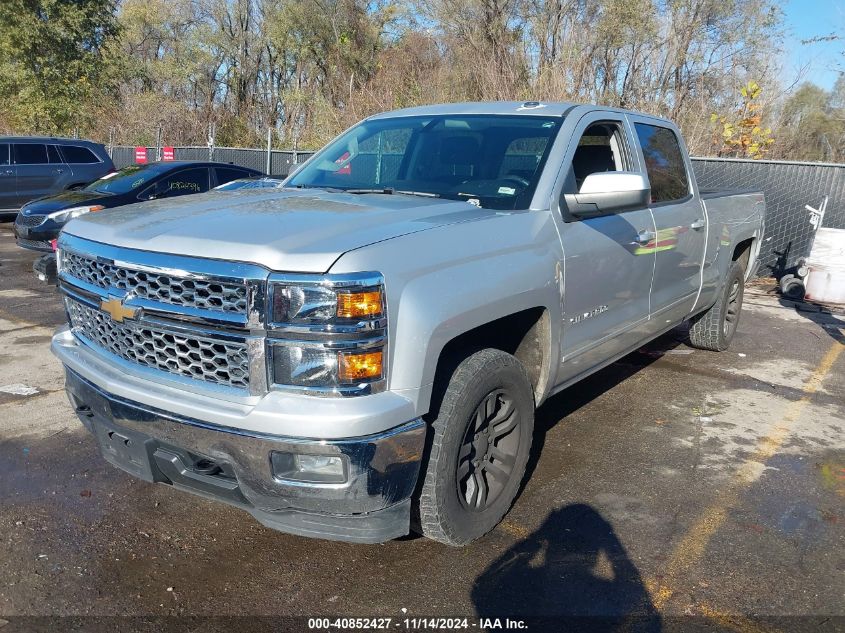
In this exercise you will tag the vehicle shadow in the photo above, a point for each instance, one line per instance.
(572, 573)
(830, 323)
(558, 407)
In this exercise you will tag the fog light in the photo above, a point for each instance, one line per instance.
(325, 469)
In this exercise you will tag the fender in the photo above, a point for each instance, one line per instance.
(464, 278)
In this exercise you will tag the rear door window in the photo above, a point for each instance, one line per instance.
(4, 154)
(30, 154)
(664, 163)
(228, 174)
(53, 155)
(78, 155)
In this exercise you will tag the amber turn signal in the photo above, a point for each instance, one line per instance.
(352, 305)
(359, 366)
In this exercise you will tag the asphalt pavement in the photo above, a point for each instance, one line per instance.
(676, 489)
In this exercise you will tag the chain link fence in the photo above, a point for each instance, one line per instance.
(788, 187)
(281, 161)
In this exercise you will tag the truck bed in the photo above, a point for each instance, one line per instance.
(709, 194)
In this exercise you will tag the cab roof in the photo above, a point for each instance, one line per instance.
(522, 108)
(529, 108)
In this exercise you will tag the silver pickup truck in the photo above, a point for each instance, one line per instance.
(360, 353)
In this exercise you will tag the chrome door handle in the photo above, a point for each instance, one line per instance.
(644, 237)
(60, 171)
(698, 224)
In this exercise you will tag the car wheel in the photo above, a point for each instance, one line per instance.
(481, 442)
(714, 329)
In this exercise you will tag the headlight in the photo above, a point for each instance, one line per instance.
(328, 333)
(75, 212)
(339, 300)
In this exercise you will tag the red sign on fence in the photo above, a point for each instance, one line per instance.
(167, 153)
(140, 155)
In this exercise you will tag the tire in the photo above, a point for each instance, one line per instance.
(792, 287)
(481, 443)
(714, 329)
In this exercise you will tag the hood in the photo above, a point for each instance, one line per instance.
(64, 200)
(283, 230)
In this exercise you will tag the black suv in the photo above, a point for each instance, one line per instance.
(40, 221)
(32, 167)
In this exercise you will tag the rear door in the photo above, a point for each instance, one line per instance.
(36, 176)
(607, 273)
(8, 184)
(84, 164)
(679, 219)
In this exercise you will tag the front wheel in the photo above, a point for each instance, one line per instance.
(482, 439)
(714, 329)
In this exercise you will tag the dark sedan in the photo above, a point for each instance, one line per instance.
(39, 222)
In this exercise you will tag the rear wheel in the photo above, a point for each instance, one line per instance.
(482, 439)
(714, 329)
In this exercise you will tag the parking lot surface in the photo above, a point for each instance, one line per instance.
(675, 487)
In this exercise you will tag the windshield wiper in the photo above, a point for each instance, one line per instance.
(391, 191)
(321, 187)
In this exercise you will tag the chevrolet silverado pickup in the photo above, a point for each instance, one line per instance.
(360, 353)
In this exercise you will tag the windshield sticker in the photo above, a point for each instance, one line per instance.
(508, 191)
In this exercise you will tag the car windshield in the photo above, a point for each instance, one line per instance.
(124, 180)
(492, 161)
(250, 183)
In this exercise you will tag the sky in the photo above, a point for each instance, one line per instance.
(813, 18)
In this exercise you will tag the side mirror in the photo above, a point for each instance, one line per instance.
(609, 191)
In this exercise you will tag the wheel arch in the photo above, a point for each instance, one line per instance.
(746, 254)
(526, 334)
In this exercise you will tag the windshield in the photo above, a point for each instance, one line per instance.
(493, 161)
(250, 183)
(124, 180)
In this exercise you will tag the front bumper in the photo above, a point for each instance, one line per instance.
(372, 506)
(37, 238)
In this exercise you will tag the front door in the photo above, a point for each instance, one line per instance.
(680, 221)
(180, 183)
(607, 269)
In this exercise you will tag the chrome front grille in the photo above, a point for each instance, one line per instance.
(164, 287)
(209, 359)
(30, 221)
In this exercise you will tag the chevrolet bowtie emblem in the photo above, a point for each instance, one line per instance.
(116, 310)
